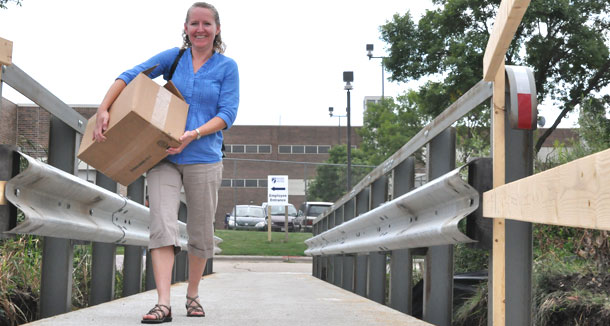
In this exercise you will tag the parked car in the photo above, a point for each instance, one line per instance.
(308, 212)
(278, 217)
(247, 217)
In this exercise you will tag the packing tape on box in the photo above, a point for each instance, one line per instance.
(161, 108)
(3, 200)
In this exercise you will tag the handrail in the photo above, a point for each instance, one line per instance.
(462, 106)
(424, 217)
(30, 88)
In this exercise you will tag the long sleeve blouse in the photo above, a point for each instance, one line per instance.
(212, 91)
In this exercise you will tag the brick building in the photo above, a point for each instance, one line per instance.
(253, 153)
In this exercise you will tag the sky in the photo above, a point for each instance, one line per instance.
(291, 54)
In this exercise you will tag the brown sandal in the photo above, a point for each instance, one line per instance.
(190, 308)
(158, 311)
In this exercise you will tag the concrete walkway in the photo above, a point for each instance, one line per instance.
(246, 291)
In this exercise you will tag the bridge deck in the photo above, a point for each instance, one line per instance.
(244, 293)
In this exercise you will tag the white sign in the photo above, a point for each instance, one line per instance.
(277, 190)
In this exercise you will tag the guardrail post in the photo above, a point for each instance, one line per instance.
(338, 259)
(324, 274)
(149, 276)
(519, 164)
(132, 259)
(362, 206)
(377, 260)
(438, 278)
(58, 254)
(401, 261)
(348, 260)
(103, 263)
(9, 167)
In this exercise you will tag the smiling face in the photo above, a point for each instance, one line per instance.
(201, 28)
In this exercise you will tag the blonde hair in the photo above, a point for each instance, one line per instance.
(219, 45)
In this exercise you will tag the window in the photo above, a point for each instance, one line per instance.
(225, 183)
(251, 183)
(264, 149)
(252, 149)
(248, 149)
(238, 183)
(237, 148)
(262, 183)
(311, 149)
(304, 149)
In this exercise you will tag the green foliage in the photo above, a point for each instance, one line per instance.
(331, 180)
(565, 42)
(20, 266)
(253, 243)
(81, 276)
(467, 259)
(3, 3)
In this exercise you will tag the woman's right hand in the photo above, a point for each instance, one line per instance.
(101, 124)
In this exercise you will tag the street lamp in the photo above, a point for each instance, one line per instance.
(332, 115)
(348, 77)
(369, 53)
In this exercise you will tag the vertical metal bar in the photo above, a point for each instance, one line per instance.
(438, 279)
(348, 260)
(58, 254)
(149, 276)
(103, 258)
(181, 260)
(132, 260)
(362, 206)
(338, 270)
(209, 267)
(376, 270)
(519, 164)
(401, 261)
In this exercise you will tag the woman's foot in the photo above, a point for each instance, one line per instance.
(193, 307)
(157, 315)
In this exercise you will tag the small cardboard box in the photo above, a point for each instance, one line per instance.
(145, 120)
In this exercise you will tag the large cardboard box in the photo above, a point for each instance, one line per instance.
(145, 120)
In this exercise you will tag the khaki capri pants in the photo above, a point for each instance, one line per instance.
(201, 183)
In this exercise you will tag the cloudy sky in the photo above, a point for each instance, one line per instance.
(291, 54)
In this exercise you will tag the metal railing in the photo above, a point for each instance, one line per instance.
(361, 233)
(63, 209)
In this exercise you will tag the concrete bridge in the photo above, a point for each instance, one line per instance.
(245, 291)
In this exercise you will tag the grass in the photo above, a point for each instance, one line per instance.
(254, 243)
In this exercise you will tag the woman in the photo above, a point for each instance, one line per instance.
(209, 82)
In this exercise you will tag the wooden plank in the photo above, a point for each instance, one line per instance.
(575, 194)
(507, 21)
(3, 200)
(499, 178)
(6, 52)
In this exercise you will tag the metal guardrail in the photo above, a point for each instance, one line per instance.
(426, 216)
(61, 205)
(462, 106)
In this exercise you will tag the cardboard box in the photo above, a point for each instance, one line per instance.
(145, 120)
(6, 52)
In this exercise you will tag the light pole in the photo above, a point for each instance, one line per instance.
(369, 53)
(348, 77)
(332, 115)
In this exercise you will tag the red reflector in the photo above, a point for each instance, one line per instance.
(525, 111)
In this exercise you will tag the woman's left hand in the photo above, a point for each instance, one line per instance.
(186, 139)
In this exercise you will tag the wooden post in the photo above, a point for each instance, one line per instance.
(269, 221)
(286, 223)
(499, 177)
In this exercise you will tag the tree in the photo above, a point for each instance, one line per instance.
(331, 180)
(565, 42)
(4, 2)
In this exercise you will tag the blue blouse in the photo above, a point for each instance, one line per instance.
(211, 92)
